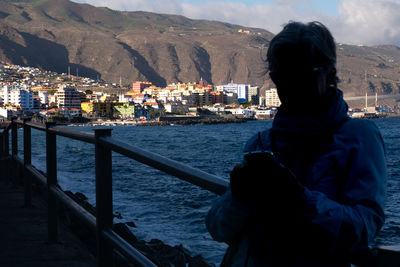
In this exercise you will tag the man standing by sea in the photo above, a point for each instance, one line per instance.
(311, 190)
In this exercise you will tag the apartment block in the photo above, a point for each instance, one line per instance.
(272, 98)
(18, 96)
(68, 97)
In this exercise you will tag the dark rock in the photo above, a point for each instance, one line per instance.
(81, 196)
(117, 215)
(198, 261)
(123, 231)
(131, 224)
(155, 250)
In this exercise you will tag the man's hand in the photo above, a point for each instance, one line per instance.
(261, 178)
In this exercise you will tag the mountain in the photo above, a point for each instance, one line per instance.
(100, 42)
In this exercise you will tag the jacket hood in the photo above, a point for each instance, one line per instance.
(308, 133)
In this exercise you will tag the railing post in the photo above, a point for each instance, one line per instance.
(27, 161)
(51, 170)
(104, 205)
(2, 150)
(14, 149)
(5, 153)
(14, 137)
(3, 165)
(6, 143)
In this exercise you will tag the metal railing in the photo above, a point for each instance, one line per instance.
(101, 225)
(107, 239)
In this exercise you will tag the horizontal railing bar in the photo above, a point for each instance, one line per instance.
(37, 125)
(197, 177)
(73, 134)
(5, 129)
(19, 160)
(77, 209)
(62, 131)
(126, 249)
(19, 121)
(39, 176)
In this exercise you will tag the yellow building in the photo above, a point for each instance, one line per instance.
(99, 108)
(87, 107)
(104, 108)
(108, 98)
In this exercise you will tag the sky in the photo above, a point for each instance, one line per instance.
(359, 22)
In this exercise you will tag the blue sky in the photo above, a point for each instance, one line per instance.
(327, 6)
(365, 22)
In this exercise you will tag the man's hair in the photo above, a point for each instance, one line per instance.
(302, 46)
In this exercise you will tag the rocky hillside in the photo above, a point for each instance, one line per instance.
(99, 42)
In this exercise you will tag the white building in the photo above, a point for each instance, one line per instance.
(68, 97)
(44, 97)
(18, 96)
(230, 88)
(219, 88)
(122, 98)
(241, 90)
(176, 107)
(272, 98)
(246, 113)
(216, 109)
(65, 112)
(9, 112)
(170, 96)
(267, 113)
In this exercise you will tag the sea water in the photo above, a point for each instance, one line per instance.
(172, 210)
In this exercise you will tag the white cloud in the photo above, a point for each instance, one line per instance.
(358, 22)
(368, 22)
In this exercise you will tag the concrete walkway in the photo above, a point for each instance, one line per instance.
(23, 235)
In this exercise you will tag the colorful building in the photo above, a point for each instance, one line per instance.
(139, 86)
(87, 107)
(105, 109)
(125, 110)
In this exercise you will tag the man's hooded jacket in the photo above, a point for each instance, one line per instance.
(341, 164)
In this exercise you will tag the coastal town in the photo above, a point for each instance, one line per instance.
(27, 92)
(49, 96)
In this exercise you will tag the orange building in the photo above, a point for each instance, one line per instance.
(138, 87)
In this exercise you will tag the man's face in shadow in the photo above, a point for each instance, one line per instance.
(299, 79)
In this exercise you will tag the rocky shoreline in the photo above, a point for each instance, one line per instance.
(162, 122)
(156, 250)
(190, 121)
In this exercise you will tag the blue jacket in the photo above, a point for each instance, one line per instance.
(342, 210)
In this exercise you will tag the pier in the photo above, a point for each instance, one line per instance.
(23, 232)
(31, 231)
